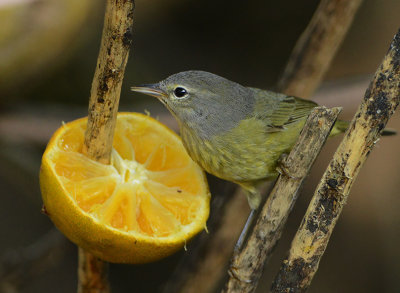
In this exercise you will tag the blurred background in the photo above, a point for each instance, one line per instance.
(48, 52)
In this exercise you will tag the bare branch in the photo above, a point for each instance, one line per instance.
(92, 273)
(106, 86)
(103, 107)
(380, 101)
(317, 46)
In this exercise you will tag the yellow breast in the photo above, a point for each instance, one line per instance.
(246, 153)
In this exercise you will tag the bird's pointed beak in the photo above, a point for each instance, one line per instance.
(150, 89)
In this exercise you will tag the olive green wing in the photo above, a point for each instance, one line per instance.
(279, 111)
(291, 110)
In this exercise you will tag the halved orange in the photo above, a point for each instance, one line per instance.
(145, 205)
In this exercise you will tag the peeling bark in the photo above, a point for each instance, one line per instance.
(379, 103)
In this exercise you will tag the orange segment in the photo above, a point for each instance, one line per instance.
(154, 218)
(77, 167)
(145, 205)
(90, 192)
(185, 178)
(119, 211)
(72, 140)
(182, 204)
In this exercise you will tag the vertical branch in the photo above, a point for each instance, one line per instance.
(92, 273)
(106, 86)
(317, 46)
(103, 107)
(380, 101)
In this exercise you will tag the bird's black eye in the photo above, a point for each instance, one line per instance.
(180, 92)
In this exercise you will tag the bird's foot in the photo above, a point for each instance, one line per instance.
(233, 272)
(283, 168)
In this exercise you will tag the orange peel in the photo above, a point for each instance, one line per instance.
(142, 207)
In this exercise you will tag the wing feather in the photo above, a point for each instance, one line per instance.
(279, 111)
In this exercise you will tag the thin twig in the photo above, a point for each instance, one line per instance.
(380, 101)
(103, 107)
(247, 265)
(317, 46)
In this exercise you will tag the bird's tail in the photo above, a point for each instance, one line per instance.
(341, 126)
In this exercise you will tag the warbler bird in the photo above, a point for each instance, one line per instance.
(234, 132)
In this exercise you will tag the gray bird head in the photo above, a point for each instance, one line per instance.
(206, 103)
